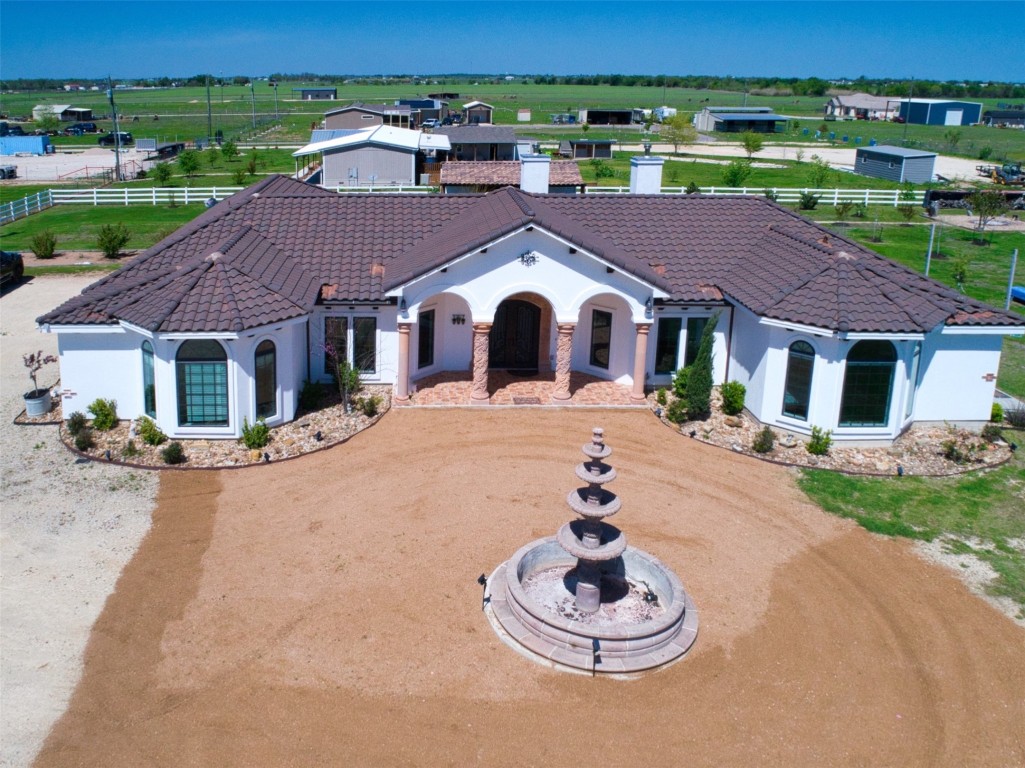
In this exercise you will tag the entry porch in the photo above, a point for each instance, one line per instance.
(508, 388)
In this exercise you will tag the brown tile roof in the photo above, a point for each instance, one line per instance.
(506, 173)
(274, 250)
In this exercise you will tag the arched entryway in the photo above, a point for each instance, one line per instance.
(515, 340)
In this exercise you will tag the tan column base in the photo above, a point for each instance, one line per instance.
(401, 394)
(640, 357)
(479, 395)
(563, 358)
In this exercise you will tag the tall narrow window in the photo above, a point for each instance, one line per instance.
(336, 342)
(667, 344)
(797, 390)
(149, 384)
(916, 361)
(601, 338)
(695, 327)
(202, 373)
(365, 344)
(266, 380)
(425, 339)
(868, 384)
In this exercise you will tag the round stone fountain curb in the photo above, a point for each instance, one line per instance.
(564, 644)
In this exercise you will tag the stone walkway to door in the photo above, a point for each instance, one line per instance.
(454, 387)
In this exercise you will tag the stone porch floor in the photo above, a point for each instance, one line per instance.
(454, 387)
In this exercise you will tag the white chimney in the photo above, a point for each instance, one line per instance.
(534, 173)
(646, 175)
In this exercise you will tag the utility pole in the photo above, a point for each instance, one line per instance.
(209, 113)
(117, 130)
(1010, 279)
(907, 116)
(252, 90)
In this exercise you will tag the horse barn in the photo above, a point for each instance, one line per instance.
(606, 116)
(940, 112)
(895, 163)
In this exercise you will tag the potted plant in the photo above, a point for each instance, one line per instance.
(37, 402)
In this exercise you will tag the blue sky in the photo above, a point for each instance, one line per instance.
(933, 39)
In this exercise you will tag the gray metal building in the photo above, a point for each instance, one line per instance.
(895, 163)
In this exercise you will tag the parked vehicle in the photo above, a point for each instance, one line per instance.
(77, 129)
(110, 139)
(12, 266)
(8, 171)
(431, 123)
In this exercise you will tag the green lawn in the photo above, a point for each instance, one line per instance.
(77, 226)
(982, 513)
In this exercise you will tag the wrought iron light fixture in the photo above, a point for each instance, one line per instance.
(528, 258)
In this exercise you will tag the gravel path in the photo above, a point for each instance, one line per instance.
(66, 531)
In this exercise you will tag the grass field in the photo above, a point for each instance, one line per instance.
(77, 226)
(182, 112)
(978, 514)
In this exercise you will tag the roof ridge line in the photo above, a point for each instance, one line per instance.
(229, 294)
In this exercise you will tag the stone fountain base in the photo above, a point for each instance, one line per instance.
(531, 606)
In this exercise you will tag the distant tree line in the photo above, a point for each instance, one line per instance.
(776, 86)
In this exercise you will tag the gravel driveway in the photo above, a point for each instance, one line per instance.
(66, 531)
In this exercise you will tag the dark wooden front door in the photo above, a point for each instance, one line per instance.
(515, 335)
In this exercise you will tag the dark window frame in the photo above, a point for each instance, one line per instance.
(265, 392)
(797, 385)
(149, 382)
(601, 338)
(870, 369)
(426, 325)
(202, 385)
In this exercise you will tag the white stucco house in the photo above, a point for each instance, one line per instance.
(224, 320)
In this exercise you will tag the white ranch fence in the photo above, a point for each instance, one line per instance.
(18, 209)
(892, 197)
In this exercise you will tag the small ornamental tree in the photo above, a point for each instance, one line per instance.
(907, 206)
(736, 173)
(161, 174)
(986, 205)
(112, 238)
(819, 172)
(35, 362)
(751, 142)
(47, 120)
(698, 392)
(677, 130)
(229, 150)
(188, 162)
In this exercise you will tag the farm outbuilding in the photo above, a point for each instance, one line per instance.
(895, 163)
(358, 116)
(606, 116)
(940, 111)
(64, 112)
(585, 149)
(316, 94)
(710, 119)
(1014, 118)
(477, 112)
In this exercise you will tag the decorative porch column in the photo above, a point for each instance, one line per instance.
(563, 358)
(479, 394)
(640, 357)
(402, 380)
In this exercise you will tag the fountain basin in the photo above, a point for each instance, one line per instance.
(591, 643)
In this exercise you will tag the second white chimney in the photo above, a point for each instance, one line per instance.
(534, 173)
(646, 175)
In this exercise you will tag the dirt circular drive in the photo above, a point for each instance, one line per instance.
(326, 612)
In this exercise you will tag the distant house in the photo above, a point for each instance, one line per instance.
(586, 149)
(425, 109)
(939, 111)
(380, 156)
(480, 142)
(895, 163)
(860, 106)
(463, 177)
(359, 115)
(737, 120)
(316, 94)
(64, 112)
(606, 116)
(476, 112)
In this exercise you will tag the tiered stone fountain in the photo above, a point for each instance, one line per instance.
(585, 600)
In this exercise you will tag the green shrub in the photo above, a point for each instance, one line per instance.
(698, 395)
(349, 383)
(957, 451)
(733, 393)
(311, 396)
(860, 211)
(991, 433)
(764, 441)
(370, 405)
(43, 244)
(112, 238)
(693, 189)
(768, 194)
(660, 397)
(130, 450)
(1015, 417)
(985, 153)
(84, 439)
(104, 414)
(76, 423)
(807, 201)
(677, 411)
(602, 170)
(680, 382)
(820, 442)
(255, 435)
(150, 433)
(238, 176)
(996, 413)
(173, 453)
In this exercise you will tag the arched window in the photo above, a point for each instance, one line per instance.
(202, 372)
(868, 384)
(149, 385)
(266, 380)
(797, 390)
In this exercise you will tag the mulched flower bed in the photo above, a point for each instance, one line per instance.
(919, 451)
(287, 441)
